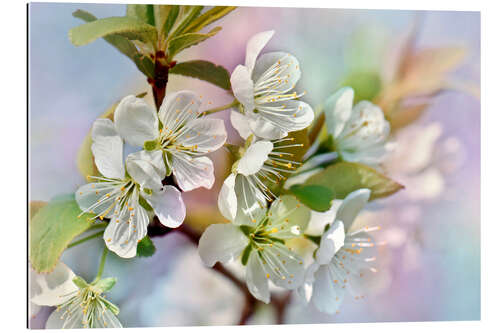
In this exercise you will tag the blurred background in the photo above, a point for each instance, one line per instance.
(429, 268)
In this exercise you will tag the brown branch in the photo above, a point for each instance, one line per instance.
(160, 80)
(280, 305)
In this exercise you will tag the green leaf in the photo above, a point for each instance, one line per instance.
(345, 177)
(171, 18)
(84, 158)
(122, 44)
(125, 26)
(366, 85)
(188, 15)
(143, 13)
(146, 247)
(35, 206)
(52, 229)
(209, 17)
(184, 41)
(316, 197)
(204, 70)
(161, 13)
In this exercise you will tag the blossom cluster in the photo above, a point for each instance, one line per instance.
(171, 146)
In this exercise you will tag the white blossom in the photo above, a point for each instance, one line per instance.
(359, 133)
(79, 305)
(343, 259)
(261, 246)
(246, 190)
(178, 134)
(119, 194)
(264, 87)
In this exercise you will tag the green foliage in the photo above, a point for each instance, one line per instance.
(184, 41)
(366, 85)
(35, 206)
(128, 27)
(187, 15)
(147, 29)
(316, 197)
(173, 13)
(146, 247)
(204, 70)
(143, 13)
(345, 177)
(122, 44)
(52, 229)
(209, 17)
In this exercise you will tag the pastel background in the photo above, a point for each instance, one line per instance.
(432, 259)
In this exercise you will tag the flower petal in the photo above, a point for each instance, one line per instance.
(127, 228)
(254, 45)
(254, 157)
(305, 291)
(283, 266)
(227, 201)
(107, 148)
(367, 127)
(136, 121)
(371, 155)
(56, 321)
(264, 129)
(241, 124)
(147, 168)
(289, 217)
(338, 109)
(351, 206)
(242, 85)
(178, 108)
(53, 288)
(191, 173)
(331, 242)
(360, 264)
(289, 116)
(97, 198)
(221, 242)
(204, 134)
(327, 294)
(168, 206)
(257, 283)
(251, 202)
(284, 66)
(107, 319)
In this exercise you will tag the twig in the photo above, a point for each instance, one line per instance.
(280, 305)
(221, 108)
(85, 239)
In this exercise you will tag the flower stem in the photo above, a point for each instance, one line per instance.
(83, 240)
(221, 108)
(101, 264)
